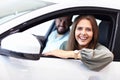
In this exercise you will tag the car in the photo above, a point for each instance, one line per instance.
(25, 26)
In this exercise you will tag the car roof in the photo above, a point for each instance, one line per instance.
(60, 5)
(95, 3)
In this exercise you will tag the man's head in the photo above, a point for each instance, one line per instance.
(63, 24)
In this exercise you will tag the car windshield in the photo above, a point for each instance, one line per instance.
(13, 8)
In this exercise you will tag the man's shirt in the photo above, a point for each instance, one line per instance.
(54, 41)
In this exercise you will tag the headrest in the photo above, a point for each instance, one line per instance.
(104, 28)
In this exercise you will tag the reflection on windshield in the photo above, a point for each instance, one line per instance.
(11, 9)
(9, 17)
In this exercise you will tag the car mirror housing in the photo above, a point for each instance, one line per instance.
(21, 43)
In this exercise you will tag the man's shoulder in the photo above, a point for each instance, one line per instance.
(53, 33)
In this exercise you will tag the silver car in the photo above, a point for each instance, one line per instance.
(25, 26)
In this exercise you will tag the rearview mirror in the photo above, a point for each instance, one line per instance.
(21, 45)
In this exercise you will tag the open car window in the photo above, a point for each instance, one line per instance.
(40, 29)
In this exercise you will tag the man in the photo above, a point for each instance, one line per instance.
(61, 34)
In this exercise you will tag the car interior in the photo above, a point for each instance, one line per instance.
(104, 30)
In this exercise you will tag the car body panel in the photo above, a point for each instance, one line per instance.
(52, 69)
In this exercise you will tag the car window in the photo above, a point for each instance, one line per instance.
(41, 29)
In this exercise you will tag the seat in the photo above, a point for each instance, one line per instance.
(104, 33)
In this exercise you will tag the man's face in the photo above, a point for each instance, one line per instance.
(63, 24)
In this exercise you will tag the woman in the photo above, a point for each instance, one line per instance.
(83, 44)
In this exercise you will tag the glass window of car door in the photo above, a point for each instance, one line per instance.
(41, 29)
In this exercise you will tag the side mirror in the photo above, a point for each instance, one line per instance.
(21, 45)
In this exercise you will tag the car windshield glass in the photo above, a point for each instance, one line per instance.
(13, 8)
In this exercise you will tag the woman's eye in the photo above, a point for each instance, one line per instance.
(88, 29)
(79, 28)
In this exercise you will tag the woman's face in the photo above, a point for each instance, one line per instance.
(83, 33)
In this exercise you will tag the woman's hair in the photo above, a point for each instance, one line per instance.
(72, 44)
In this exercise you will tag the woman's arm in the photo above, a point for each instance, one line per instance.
(62, 54)
(98, 58)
